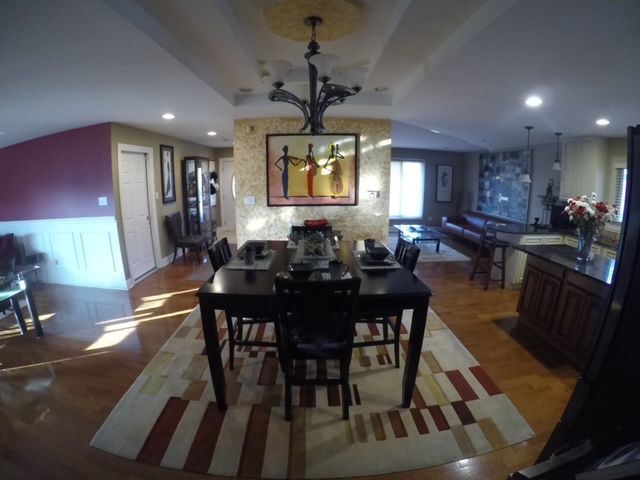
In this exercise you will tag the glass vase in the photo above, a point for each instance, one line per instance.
(586, 236)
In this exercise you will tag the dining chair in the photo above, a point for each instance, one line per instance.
(216, 257)
(401, 247)
(224, 247)
(236, 319)
(315, 320)
(407, 256)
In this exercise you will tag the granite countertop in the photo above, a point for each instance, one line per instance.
(527, 229)
(599, 268)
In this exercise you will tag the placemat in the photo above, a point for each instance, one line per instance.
(362, 264)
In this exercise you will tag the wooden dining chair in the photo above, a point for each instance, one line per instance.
(315, 320)
(407, 256)
(216, 257)
(401, 247)
(236, 319)
(225, 248)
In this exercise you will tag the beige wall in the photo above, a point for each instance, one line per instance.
(181, 148)
(368, 219)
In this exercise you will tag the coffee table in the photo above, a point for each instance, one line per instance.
(19, 286)
(420, 233)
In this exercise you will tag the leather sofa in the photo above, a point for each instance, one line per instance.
(470, 225)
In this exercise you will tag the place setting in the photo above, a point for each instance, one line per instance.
(254, 255)
(375, 256)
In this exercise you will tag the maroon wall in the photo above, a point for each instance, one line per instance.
(58, 176)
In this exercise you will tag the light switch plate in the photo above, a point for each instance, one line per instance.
(250, 200)
(102, 201)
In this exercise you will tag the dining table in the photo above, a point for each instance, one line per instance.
(251, 291)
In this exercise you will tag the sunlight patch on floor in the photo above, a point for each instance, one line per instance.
(167, 295)
(51, 362)
(116, 333)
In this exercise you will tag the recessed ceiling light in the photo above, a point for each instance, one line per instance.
(603, 122)
(168, 116)
(434, 131)
(246, 90)
(533, 101)
(212, 133)
(381, 89)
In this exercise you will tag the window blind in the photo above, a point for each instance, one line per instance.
(621, 189)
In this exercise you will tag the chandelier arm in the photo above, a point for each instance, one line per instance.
(330, 93)
(279, 95)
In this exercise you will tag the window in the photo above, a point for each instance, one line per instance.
(621, 190)
(406, 193)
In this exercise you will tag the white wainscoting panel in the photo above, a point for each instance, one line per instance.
(76, 251)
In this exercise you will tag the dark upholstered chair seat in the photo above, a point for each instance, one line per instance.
(196, 243)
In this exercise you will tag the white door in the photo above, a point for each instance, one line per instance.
(227, 195)
(134, 205)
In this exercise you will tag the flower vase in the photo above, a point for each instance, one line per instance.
(586, 236)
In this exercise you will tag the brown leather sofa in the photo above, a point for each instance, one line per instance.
(469, 225)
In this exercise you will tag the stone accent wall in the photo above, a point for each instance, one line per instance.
(368, 219)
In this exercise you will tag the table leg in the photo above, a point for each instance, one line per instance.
(15, 304)
(438, 245)
(414, 352)
(210, 331)
(33, 311)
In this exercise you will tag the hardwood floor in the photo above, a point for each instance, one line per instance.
(55, 392)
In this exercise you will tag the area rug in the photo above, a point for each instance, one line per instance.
(428, 251)
(168, 416)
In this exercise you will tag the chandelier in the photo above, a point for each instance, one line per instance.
(320, 68)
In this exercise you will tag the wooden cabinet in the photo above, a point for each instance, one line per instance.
(584, 167)
(198, 213)
(564, 307)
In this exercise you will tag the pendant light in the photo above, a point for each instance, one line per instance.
(556, 163)
(525, 177)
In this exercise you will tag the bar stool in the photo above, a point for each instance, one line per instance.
(485, 263)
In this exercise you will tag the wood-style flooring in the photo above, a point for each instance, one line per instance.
(56, 391)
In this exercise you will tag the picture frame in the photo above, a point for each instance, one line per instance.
(312, 170)
(167, 171)
(444, 183)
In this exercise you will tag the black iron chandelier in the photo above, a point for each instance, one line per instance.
(320, 68)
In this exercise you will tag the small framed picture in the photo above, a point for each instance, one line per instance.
(444, 182)
(168, 176)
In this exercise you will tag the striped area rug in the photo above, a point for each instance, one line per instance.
(168, 416)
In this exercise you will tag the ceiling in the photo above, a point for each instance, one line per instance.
(460, 67)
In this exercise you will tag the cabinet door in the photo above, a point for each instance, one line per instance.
(529, 293)
(587, 327)
(546, 302)
(538, 298)
(568, 317)
(571, 173)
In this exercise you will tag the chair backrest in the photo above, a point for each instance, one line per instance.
(216, 256)
(410, 256)
(174, 226)
(223, 244)
(400, 249)
(316, 317)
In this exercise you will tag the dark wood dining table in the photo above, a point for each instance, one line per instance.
(252, 292)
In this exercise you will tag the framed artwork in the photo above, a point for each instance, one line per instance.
(500, 190)
(444, 182)
(312, 169)
(167, 173)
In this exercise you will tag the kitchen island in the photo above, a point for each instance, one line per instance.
(523, 234)
(563, 300)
